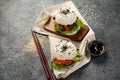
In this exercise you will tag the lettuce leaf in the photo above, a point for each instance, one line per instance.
(79, 22)
(78, 56)
(55, 25)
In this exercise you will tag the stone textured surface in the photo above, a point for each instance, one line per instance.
(17, 18)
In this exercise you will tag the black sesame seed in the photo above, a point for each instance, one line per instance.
(65, 12)
(54, 18)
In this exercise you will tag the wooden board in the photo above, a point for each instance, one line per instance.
(49, 26)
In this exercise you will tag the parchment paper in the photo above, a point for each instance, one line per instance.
(38, 27)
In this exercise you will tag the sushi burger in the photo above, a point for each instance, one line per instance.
(66, 22)
(64, 55)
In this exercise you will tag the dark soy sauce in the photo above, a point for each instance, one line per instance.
(96, 47)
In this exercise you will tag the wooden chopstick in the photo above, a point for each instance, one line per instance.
(42, 57)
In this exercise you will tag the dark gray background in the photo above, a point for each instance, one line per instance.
(17, 18)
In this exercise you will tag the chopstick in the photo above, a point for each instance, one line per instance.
(42, 57)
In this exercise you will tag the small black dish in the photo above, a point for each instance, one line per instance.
(96, 47)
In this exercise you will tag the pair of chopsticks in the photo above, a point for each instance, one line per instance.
(42, 57)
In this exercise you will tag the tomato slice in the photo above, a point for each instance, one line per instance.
(58, 25)
(62, 61)
(67, 27)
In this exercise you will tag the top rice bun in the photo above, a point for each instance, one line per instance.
(64, 50)
(65, 16)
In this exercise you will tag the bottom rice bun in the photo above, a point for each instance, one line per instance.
(64, 55)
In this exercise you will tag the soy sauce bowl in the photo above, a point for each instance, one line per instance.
(96, 48)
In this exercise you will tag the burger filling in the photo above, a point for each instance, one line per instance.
(68, 29)
(60, 64)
